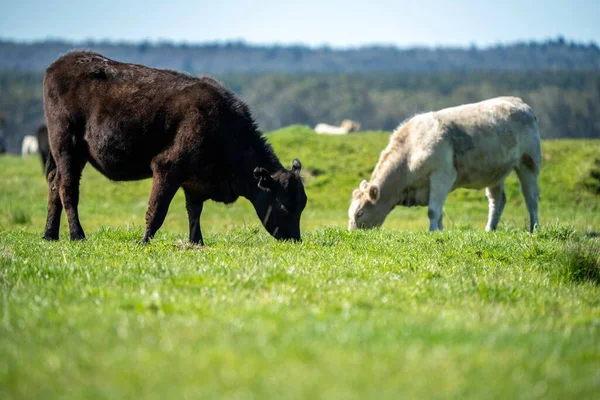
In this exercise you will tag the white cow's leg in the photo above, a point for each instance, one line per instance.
(497, 201)
(531, 192)
(440, 184)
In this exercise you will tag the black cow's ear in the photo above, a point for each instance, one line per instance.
(265, 181)
(296, 166)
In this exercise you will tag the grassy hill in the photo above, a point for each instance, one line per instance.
(388, 313)
(332, 168)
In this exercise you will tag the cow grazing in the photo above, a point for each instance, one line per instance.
(133, 122)
(471, 146)
(345, 127)
(29, 145)
(43, 145)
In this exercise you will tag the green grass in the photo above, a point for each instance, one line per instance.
(390, 313)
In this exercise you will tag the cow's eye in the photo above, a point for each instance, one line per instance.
(359, 213)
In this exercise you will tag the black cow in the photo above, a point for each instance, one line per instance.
(133, 122)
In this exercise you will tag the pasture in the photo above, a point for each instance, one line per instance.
(388, 313)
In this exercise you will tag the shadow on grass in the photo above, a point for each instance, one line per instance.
(582, 264)
(19, 216)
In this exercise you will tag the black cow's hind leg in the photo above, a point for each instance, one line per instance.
(69, 193)
(194, 204)
(54, 204)
(64, 173)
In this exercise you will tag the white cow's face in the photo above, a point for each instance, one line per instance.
(366, 211)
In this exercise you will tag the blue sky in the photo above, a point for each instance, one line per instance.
(312, 22)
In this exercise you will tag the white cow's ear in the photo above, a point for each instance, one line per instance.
(374, 193)
(363, 185)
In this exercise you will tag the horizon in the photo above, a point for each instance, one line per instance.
(241, 42)
(312, 24)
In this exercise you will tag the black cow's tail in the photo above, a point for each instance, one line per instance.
(50, 167)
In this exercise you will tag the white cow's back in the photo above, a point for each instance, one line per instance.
(325, 129)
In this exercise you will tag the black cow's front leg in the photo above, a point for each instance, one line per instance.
(194, 204)
(163, 191)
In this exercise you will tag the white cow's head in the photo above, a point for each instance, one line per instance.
(366, 210)
(349, 125)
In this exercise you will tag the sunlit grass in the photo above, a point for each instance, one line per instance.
(390, 313)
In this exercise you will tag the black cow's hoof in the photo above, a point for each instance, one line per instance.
(144, 241)
(50, 237)
(78, 237)
(199, 242)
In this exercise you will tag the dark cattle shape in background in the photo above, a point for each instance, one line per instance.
(132, 122)
(43, 144)
(2, 142)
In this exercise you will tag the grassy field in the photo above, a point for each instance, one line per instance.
(389, 313)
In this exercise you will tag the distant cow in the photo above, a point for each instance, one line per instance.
(29, 145)
(346, 127)
(471, 146)
(43, 145)
(133, 122)
(2, 145)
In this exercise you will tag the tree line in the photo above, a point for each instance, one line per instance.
(238, 57)
(566, 103)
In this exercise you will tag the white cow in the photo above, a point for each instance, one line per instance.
(30, 145)
(470, 146)
(346, 127)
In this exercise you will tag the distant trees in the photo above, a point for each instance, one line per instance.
(566, 103)
(238, 57)
(21, 102)
(378, 86)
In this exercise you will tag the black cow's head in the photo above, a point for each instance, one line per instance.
(280, 201)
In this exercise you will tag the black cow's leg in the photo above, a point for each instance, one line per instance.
(163, 190)
(54, 204)
(70, 168)
(64, 173)
(194, 204)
